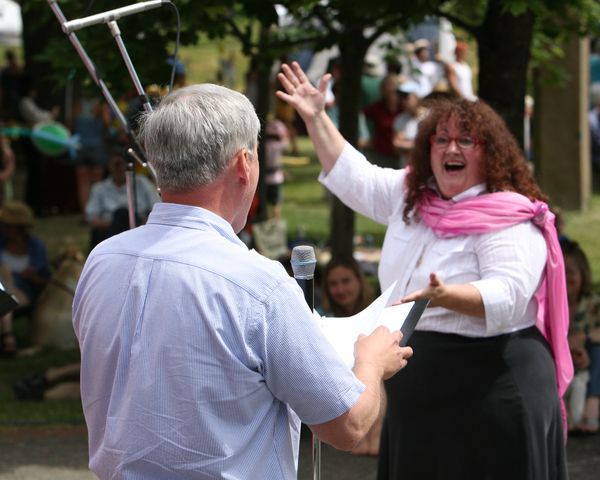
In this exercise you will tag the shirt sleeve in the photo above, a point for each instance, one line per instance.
(367, 189)
(299, 365)
(511, 262)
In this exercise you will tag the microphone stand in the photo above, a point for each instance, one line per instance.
(130, 175)
(91, 68)
(303, 263)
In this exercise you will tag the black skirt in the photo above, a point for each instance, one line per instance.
(474, 408)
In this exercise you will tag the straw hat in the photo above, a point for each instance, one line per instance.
(16, 213)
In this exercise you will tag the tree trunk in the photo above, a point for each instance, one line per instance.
(504, 43)
(352, 53)
(264, 59)
(38, 27)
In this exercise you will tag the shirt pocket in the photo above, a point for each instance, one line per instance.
(399, 233)
(456, 259)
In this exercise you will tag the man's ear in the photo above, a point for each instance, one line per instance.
(241, 162)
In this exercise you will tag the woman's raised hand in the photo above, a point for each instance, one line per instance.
(308, 100)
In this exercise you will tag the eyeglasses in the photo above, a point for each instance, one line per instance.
(464, 142)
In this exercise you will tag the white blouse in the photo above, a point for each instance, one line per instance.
(506, 266)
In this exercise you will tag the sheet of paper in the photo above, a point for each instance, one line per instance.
(342, 332)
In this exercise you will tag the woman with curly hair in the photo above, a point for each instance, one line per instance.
(467, 227)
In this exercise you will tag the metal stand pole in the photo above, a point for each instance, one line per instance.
(130, 175)
(114, 28)
(316, 457)
(91, 68)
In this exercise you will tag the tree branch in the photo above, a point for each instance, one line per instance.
(384, 27)
(320, 14)
(469, 27)
(237, 32)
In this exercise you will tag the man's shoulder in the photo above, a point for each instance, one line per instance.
(197, 253)
(256, 274)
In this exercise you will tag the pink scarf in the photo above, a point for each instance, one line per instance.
(496, 211)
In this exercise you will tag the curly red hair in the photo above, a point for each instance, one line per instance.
(506, 168)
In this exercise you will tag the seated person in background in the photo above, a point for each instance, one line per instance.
(584, 330)
(24, 268)
(346, 292)
(107, 210)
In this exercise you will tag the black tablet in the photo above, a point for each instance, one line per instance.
(408, 327)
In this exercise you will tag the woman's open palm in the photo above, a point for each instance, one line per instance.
(308, 100)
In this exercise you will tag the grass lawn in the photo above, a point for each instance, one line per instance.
(305, 208)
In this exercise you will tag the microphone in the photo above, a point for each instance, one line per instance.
(303, 263)
(111, 15)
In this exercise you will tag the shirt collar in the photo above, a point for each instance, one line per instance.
(188, 216)
(468, 193)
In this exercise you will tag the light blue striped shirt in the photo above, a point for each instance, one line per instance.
(194, 353)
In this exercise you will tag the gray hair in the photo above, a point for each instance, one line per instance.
(195, 131)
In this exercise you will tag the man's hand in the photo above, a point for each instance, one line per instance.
(382, 350)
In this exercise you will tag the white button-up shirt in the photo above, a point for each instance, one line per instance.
(506, 266)
(195, 351)
(106, 198)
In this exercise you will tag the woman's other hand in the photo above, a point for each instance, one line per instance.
(465, 299)
(434, 292)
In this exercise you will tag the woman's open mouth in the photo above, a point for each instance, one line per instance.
(453, 166)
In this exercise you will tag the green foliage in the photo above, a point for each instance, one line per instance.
(584, 227)
(557, 21)
(148, 39)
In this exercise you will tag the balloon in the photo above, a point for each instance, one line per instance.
(51, 138)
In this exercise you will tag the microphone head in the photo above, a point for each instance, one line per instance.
(303, 262)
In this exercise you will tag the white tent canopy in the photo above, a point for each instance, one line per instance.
(11, 25)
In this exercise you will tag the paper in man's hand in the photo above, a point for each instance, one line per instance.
(342, 332)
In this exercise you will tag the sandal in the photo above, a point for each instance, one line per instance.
(8, 344)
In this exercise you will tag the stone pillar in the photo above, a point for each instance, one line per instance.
(561, 132)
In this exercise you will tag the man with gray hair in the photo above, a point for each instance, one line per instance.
(198, 356)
